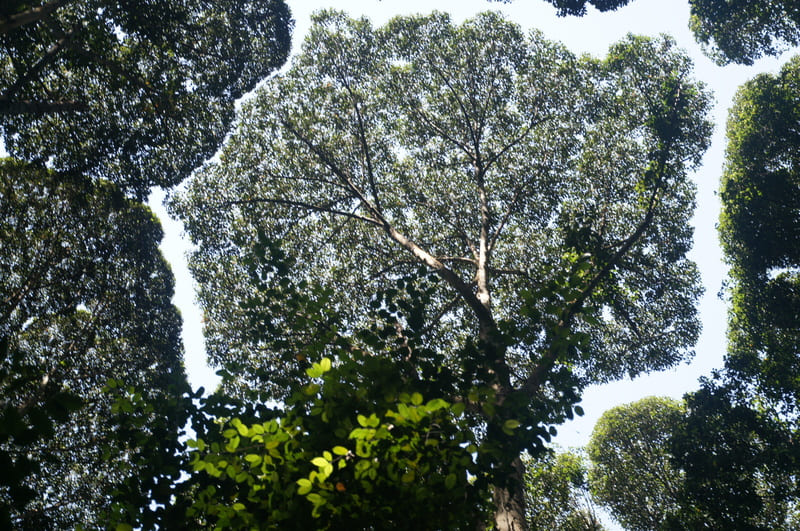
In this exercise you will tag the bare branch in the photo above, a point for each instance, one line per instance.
(439, 131)
(362, 138)
(328, 161)
(300, 204)
(459, 259)
(509, 211)
(441, 313)
(504, 271)
(473, 133)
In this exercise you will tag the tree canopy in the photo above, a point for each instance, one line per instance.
(760, 232)
(707, 462)
(557, 491)
(136, 92)
(739, 446)
(632, 472)
(742, 31)
(85, 304)
(739, 31)
(549, 194)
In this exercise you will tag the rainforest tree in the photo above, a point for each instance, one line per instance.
(88, 334)
(557, 492)
(760, 232)
(632, 472)
(739, 446)
(549, 195)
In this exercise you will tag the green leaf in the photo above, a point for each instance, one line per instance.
(304, 486)
(253, 459)
(233, 444)
(316, 499)
(325, 365)
(436, 404)
(320, 462)
(240, 427)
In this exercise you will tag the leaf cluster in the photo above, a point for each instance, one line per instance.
(85, 297)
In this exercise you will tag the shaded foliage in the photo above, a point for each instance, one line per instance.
(135, 92)
(84, 298)
(739, 445)
(740, 463)
(760, 232)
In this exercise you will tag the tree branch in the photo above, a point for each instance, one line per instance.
(33, 14)
(464, 289)
(13, 108)
(362, 138)
(48, 57)
(300, 204)
(536, 378)
(468, 122)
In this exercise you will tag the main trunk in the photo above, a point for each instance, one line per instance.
(508, 498)
(509, 501)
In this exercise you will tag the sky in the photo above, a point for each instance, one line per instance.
(590, 34)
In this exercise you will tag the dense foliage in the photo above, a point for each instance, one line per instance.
(760, 231)
(137, 92)
(632, 473)
(360, 442)
(738, 31)
(740, 462)
(467, 151)
(557, 492)
(709, 462)
(740, 443)
(85, 304)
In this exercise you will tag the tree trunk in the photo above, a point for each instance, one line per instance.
(510, 501)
